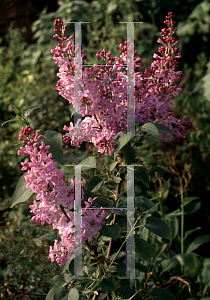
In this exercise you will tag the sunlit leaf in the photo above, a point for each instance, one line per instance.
(21, 193)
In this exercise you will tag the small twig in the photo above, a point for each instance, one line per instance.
(168, 284)
(94, 297)
(63, 210)
(180, 279)
(148, 276)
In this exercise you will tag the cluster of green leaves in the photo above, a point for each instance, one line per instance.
(23, 266)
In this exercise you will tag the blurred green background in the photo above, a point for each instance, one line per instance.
(28, 79)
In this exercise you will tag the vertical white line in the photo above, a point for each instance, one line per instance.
(130, 245)
(78, 226)
(130, 76)
(78, 79)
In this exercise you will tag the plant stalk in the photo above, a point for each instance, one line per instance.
(117, 192)
(182, 216)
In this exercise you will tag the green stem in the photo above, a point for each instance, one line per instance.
(182, 216)
(125, 241)
(161, 206)
(161, 209)
(105, 274)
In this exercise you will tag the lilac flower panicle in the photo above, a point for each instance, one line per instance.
(104, 97)
(46, 180)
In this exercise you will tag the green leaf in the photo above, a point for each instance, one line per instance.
(200, 240)
(112, 231)
(49, 236)
(145, 205)
(161, 250)
(21, 193)
(100, 202)
(158, 227)
(144, 248)
(68, 158)
(107, 285)
(150, 128)
(125, 291)
(66, 266)
(61, 293)
(165, 190)
(16, 110)
(11, 120)
(163, 129)
(141, 175)
(60, 268)
(121, 140)
(113, 165)
(57, 280)
(187, 200)
(189, 261)
(162, 294)
(187, 233)
(119, 256)
(205, 272)
(171, 264)
(121, 269)
(173, 225)
(73, 294)
(129, 154)
(175, 213)
(51, 293)
(97, 286)
(54, 139)
(95, 183)
(193, 208)
(141, 267)
(90, 163)
(24, 262)
(27, 112)
(117, 179)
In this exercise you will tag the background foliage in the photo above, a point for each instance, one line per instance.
(29, 79)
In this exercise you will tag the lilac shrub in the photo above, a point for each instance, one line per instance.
(104, 101)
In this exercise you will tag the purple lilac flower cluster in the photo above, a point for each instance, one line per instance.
(104, 91)
(53, 197)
